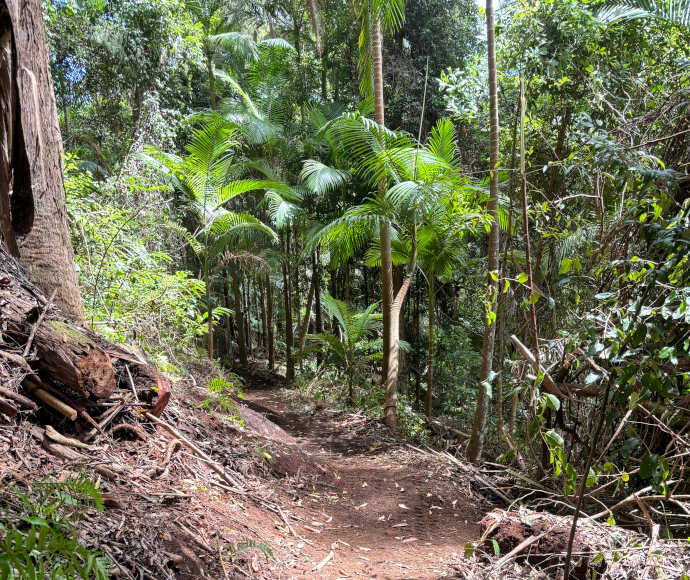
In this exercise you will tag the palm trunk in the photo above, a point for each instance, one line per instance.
(430, 352)
(209, 312)
(304, 328)
(318, 321)
(476, 444)
(264, 324)
(210, 78)
(239, 315)
(289, 362)
(269, 320)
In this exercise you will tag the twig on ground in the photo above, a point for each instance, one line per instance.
(519, 548)
(210, 462)
(323, 562)
(41, 316)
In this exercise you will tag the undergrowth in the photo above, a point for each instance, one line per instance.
(38, 534)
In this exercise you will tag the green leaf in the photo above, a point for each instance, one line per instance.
(553, 438)
(648, 465)
(533, 297)
(552, 402)
(522, 278)
(566, 264)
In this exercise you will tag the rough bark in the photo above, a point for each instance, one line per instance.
(33, 149)
(476, 443)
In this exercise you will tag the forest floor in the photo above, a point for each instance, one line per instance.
(382, 509)
(308, 491)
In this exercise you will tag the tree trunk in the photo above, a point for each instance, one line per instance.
(430, 352)
(269, 320)
(210, 77)
(289, 362)
(318, 321)
(476, 443)
(37, 217)
(239, 315)
(264, 323)
(209, 311)
(304, 328)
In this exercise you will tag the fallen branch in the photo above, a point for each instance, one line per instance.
(527, 354)
(35, 327)
(68, 441)
(16, 359)
(198, 452)
(135, 429)
(8, 408)
(323, 562)
(156, 471)
(17, 398)
(519, 548)
(44, 396)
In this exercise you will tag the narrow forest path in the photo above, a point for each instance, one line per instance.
(382, 509)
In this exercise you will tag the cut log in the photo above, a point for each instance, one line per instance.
(65, 352)
(67, 357)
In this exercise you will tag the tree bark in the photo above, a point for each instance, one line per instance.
(430, 352)
(476, 443)
(269, 320)
(38, 219)
(289, 362)
(239, 315)
(304, 328)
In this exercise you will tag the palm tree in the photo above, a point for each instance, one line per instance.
(390, 14)
(202, 177)
(421, 177)
(355, 328)
(221, 44)
(438, 254)
(675, 12)
(476, 443)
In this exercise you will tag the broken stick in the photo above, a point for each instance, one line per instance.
(44, 396)
(549, 383)
(210, 462)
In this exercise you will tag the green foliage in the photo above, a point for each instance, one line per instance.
(241, 547)
(410, 424)
(131, 291)
(355, 329)
(225, 389)
(38, 537)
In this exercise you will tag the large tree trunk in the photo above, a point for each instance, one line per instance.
(476, 443)
(34, 220)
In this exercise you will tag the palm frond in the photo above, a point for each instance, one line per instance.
(321, 178)
(676, 12)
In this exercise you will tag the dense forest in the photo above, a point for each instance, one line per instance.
(464, 226)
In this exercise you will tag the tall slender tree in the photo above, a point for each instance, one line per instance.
(476, 443)
(391, 14)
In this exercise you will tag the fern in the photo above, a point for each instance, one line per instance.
(44, 543)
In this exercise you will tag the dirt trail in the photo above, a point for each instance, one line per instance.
(381, 508)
